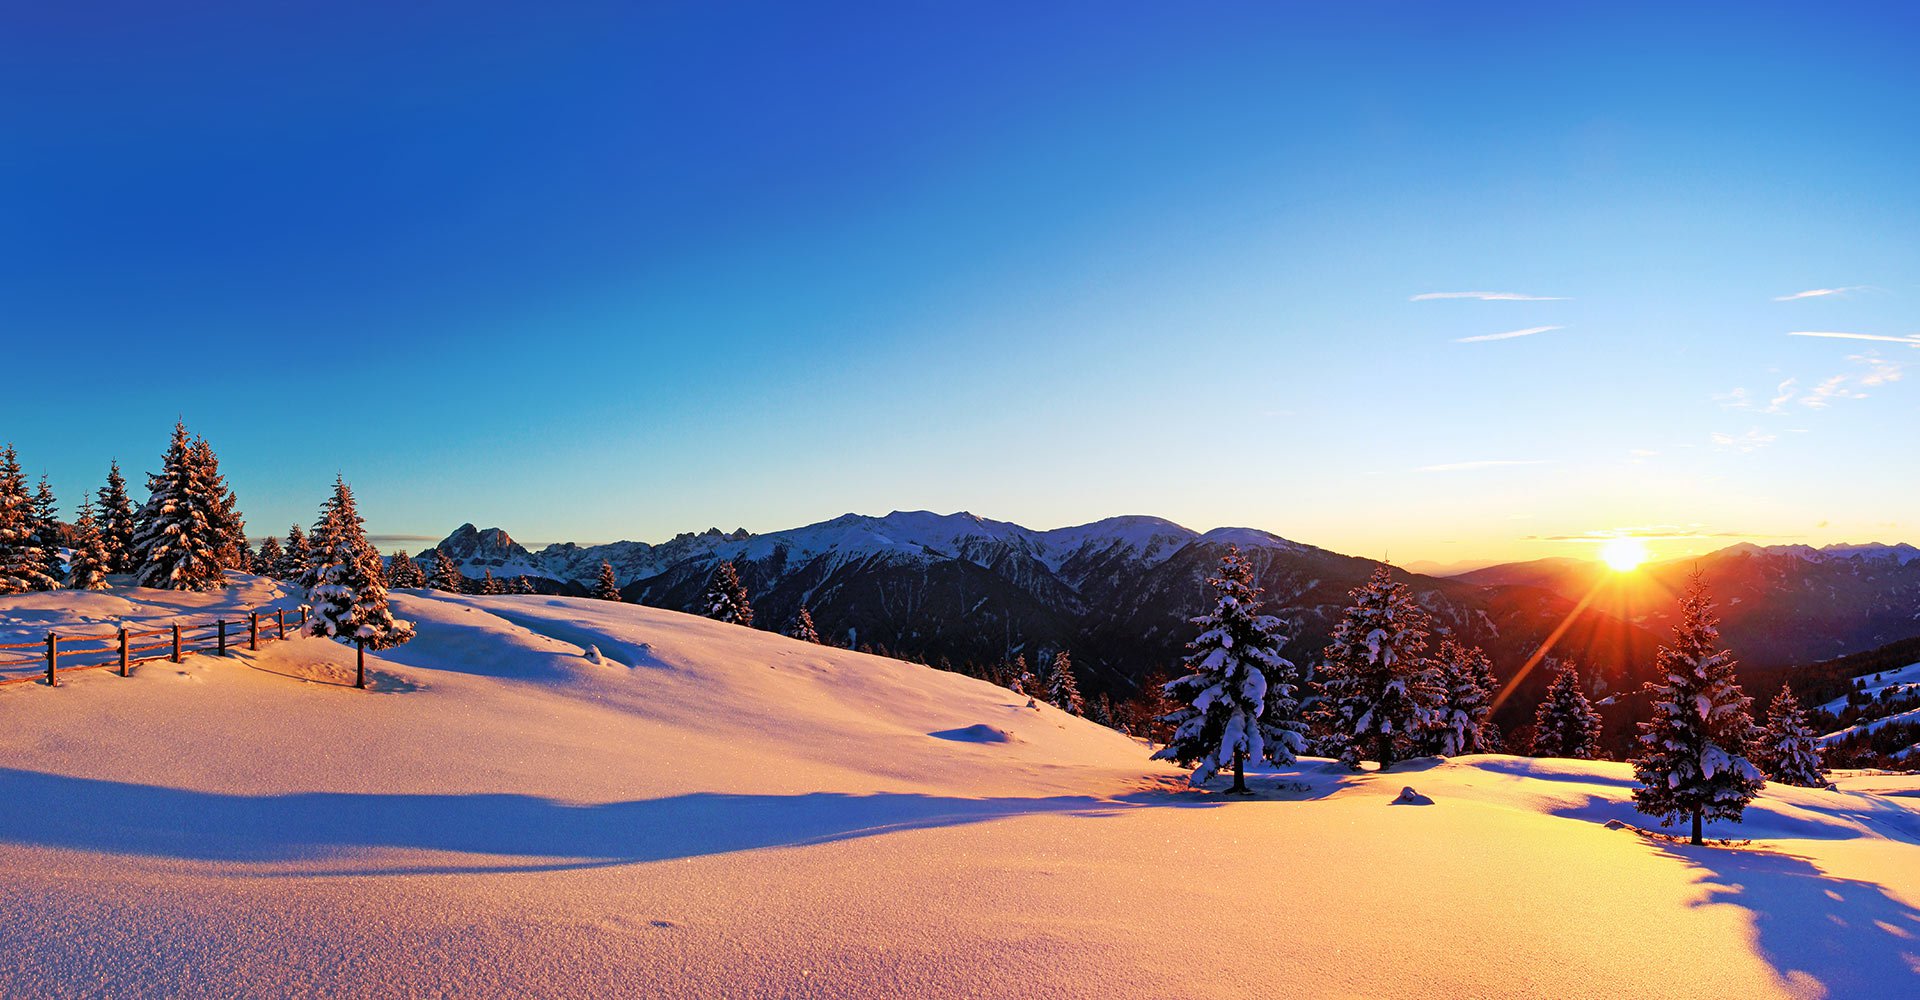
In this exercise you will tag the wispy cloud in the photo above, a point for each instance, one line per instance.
(1818, 293)
(1753, 440)
(1490, 463)
(1911, 340)
(1846, 385)
(1509, 335)
(1487, 297)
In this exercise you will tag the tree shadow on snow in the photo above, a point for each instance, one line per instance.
(114, 817)
(1852, 937)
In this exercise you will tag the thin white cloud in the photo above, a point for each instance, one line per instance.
(1487, 297)
(1509, 335)
(1911, 340)
(1490, 463)
(1818, 293)
(1880, 371)
(1753, 440)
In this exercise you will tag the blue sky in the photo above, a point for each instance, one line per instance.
(628, 270)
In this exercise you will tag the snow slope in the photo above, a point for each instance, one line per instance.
(1899, 681)
(715, 811)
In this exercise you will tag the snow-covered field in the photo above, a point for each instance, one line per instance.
(704, 810)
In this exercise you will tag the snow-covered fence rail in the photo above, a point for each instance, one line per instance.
(120, 650)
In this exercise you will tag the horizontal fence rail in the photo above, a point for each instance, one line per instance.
(62, 651)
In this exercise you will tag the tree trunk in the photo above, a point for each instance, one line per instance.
(1383, 751)
(1239, 777)
(1697, 841)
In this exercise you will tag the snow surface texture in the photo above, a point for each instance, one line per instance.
(716, 811)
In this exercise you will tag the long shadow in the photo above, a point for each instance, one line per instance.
(1851, 937)
(1523, 768)
(122, 818)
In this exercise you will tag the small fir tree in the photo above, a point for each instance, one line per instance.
(1788, 750)
(445, 575)
(297, 556)
(87, 570)
(802, 627)
(116, 519)
(22, 568)
(726, 597)
(181, 532)
(490, 586)
(1566, 725)
(48, 537)
(1378, 690)
(271, 555)
(607, 588)
(1236, 703)
(522, 585)
(1458, 724)
(403, 573)
(1023, 680)
(1691, 764)
(344, 582)
(1063, 692)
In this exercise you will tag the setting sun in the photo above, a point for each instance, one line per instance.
(1623, 554)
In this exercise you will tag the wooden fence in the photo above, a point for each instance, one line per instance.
(63, 652)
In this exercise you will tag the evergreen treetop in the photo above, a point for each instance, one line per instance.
(1788, 750)
(1566, 725)
(1063, 691)
(726, 597)
(22, 567)
(802, 628)
(607, 588)
(116, 521)
(1379, 689)
(344, 583)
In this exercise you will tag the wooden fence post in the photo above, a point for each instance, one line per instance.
(280, 618)
(222, 626)
(360, 675)
(123, 651)
(303, 617)
(253, 630)
(53, 658)
(176, 642)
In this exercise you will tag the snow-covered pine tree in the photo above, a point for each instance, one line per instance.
(296, 557)
(224, 508)
(21, 566)
(726, 597)
(1378, 690)
(1788, 750)
(402, 573)
(802, 627)
(271, 555)
(1691, 763)
(1458, 724)
(48, 538)
(490, 586)
(116, 519)
(87, 570)
(1063, 692)
(1023, 680)
(522, 585)
(607, 588)
(1566, 724)
(181, 532)
(1237, 703)
(445, 575)
(344, 582)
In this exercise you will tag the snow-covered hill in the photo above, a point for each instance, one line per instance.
(551, 796)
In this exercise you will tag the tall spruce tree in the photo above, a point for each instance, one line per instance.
(726, 597)
(344, 581)
(1063, 691)
(1788, 750)
(1237, 703)
(296, 557)
(229, 528)
(181, 530)
(802, 627)
(1379, 689)
(48, 536)
(445, 574)
(1459, 723)
(1692, 764)
(607, 588)
(22, 568)
(87, 570)
(1566, 724)
(116, 520)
